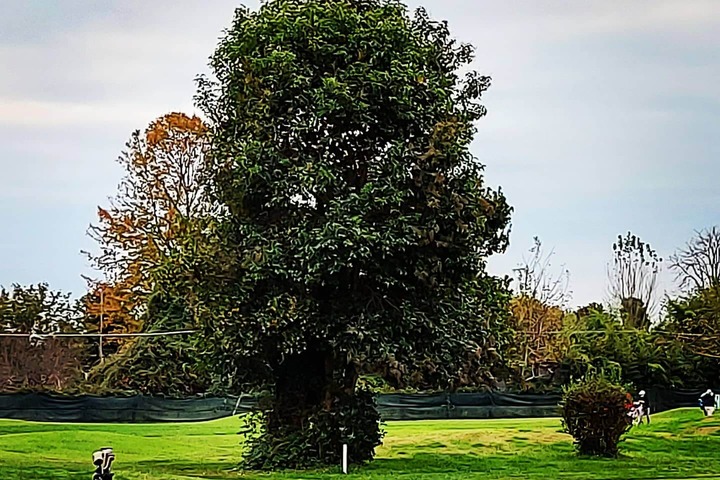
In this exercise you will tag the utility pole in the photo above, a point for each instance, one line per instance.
(102, 313)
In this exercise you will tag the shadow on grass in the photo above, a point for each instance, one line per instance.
(558, 464)
(210, 470)
(25, 473)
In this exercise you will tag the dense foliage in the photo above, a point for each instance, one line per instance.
(541, 342)
(109, 309)
(164, 365)
(594, 412)
(38, 363)
(601, 343)
(694, 323)
(358, 222)
(352, 420)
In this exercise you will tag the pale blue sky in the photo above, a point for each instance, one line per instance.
(603, 117)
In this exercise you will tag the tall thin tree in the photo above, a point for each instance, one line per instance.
(633, 274)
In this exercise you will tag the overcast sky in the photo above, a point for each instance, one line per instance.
(603, 117)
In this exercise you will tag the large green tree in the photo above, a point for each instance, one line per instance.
(358, 221)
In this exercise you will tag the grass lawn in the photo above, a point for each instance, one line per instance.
(679, 444)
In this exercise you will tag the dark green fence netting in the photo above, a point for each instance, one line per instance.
(143, 409)
(466, 405)
(661, 400)
(135, 409)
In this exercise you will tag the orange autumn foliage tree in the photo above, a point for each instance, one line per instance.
(148, 238)
(157, 198)
(113, 306)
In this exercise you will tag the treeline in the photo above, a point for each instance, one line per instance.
(52, 344)
(142, 238)
(633, 337)
(636, 336)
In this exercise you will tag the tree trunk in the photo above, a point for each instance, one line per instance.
(319, 386)
(303, 383)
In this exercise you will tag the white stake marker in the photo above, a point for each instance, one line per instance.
(345, 458)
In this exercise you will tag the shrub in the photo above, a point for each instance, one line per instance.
(594, 412)
(351, 419)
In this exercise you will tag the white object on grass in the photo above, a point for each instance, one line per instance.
(345, 458)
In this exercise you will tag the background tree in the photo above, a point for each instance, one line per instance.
(586, 310)
(36, 309)
(357, 219)
(694, 322)
(633, 280)
(697, 266)
(145, 239)
(161, 192)
(601, 343)
(38, 363)
(538, 315)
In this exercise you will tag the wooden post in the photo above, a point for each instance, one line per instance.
(102, 312)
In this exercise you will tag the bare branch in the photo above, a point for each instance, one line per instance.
(697, 266)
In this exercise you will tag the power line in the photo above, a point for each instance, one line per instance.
(97, 335)
(187, 332)
(662, 332)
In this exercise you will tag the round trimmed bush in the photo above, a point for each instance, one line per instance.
(594, 412)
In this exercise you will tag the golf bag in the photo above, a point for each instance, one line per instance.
(103, 459)
(636, 412)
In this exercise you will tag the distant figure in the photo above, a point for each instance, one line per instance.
(707, 402)
(644, 405)
(635, 413)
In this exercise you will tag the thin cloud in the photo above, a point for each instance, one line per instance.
(36, 114)
(601, 116)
